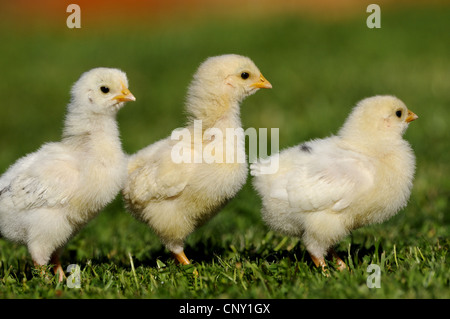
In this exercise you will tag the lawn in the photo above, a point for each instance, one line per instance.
(319, 69)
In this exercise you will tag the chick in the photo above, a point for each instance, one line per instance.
(325, 188)
(174, 198)
(47, 196)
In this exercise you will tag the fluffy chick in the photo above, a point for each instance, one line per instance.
(325, 188)
(174, 198)
(49, 195)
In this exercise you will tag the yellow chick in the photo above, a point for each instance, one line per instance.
(325, 188)
(47, 196)
(174, 196)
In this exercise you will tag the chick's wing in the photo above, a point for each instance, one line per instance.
(153, 175)
(47, 178)
(332, 179)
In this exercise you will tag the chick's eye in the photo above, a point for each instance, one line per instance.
(104, 89)
(245, 75)
(398, 113)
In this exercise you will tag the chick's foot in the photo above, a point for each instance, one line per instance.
(57, 268)
(181, 258)
(340, 263)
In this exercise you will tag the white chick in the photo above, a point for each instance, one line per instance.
(47, 196)
(325, 188)
(174, 198)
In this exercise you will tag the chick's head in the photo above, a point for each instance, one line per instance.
(226, 78)
(101, 91)
(378, 118)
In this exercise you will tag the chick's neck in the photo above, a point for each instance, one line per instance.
(81, 130)
(373, 145)
(218, 112)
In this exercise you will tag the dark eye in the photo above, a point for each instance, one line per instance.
(398, 113)
(245, 75)
(104, 89)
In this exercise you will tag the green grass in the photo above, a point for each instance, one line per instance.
(319, 70)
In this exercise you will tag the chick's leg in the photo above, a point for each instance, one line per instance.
(40, 257)
(319, 261)
(41, 269)
(316, 248)
(57, 268)
(341, 264)
(181, 257)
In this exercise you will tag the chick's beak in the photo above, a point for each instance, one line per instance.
(262, 83)
(125, 95)
(411, 117)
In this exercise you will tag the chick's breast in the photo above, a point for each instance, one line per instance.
(175, 198)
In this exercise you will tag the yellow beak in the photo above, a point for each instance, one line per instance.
(262, 83)
(125, 96)
(411, 117)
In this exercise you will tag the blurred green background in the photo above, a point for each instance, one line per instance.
(320, 57)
